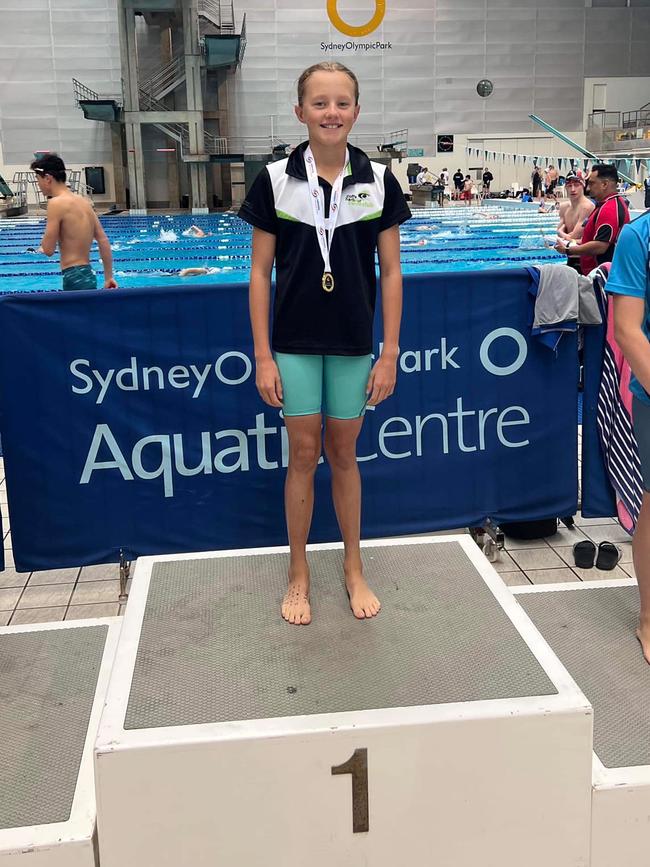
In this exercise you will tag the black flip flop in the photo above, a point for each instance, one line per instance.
(584, 553)
(608, 556)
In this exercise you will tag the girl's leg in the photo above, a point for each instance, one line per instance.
(304, 451)
(641, 556)
(340, 449)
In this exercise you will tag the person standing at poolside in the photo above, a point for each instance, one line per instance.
(320, 215)
(574, 212)
(629, 283)
(468, 187)
(73, 225)
(552, 177)
(604, 224)
(458, 178)
(488, 177)
(536, 180)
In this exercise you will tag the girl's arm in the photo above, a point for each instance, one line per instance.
(629, 314)
(384, 374)
(267, 376)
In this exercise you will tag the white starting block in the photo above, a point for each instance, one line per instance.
(441, 732)
(53, 680)
(590, 627)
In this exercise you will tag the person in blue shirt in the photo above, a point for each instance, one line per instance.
(629, 282)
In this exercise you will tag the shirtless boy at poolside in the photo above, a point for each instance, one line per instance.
(573, 213)
(73, 225)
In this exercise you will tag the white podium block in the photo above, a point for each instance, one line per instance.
(590, 627)
(442, 732)
(53, 680)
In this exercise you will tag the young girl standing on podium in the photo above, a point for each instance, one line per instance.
(320, 215)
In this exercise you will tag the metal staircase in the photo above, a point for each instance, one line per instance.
(166, 79)
(212, 145)
(219, 14)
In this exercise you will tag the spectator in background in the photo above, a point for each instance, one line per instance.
(603, 227)
(458, 179)
(646, 187)
(444, 178)
(536, 181)
(629, 282)
(552, 177)
(488, 177)
(525, 195)
(424, 177)
(467, 189)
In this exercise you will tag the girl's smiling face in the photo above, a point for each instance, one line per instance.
(328, 107)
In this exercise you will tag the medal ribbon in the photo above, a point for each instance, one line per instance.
(324, 228)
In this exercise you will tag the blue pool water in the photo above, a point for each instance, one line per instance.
(147, 251)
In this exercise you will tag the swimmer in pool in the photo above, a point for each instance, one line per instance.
(419, 243)
(195, 232)
(197, 272)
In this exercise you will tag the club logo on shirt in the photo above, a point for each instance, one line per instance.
(360, 200)
(362, 29)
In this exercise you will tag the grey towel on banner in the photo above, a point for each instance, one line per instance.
(588, 310)
(564, 296)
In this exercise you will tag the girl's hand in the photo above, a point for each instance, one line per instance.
(268, 382)
(381, 383)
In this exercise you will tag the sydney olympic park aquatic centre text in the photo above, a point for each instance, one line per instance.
(262, 442)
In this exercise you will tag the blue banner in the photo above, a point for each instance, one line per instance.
(130, 420)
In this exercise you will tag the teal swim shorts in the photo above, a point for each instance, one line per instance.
(332, 384)
(78, 277)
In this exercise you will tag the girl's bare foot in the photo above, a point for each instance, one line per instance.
(295, 605)
(643, 634)
(363, 601)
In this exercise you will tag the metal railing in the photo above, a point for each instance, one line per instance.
(620, 119)
(212, 144)
(215, 145)
(165, 79)
(220, 13)
(635, 119)
(604, 119)
(82, 93)
(18, 197)
(242, 41)
(23, 181)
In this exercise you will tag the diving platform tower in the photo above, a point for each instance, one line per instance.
(199, 48)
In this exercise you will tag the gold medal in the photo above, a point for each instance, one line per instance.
(328, 281)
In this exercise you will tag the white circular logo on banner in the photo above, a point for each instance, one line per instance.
(489, 339)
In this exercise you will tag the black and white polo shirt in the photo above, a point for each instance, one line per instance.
(307, 320)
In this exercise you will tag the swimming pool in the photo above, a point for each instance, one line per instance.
(149, 250)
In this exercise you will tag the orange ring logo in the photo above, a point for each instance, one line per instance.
(363, 29)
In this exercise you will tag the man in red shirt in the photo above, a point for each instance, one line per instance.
(602, 228)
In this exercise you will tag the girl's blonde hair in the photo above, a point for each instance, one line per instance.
(326, 66)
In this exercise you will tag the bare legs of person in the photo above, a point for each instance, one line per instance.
(340, 450)
(304, 451)
(641, 556)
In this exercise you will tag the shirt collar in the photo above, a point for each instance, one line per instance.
(360, 168)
